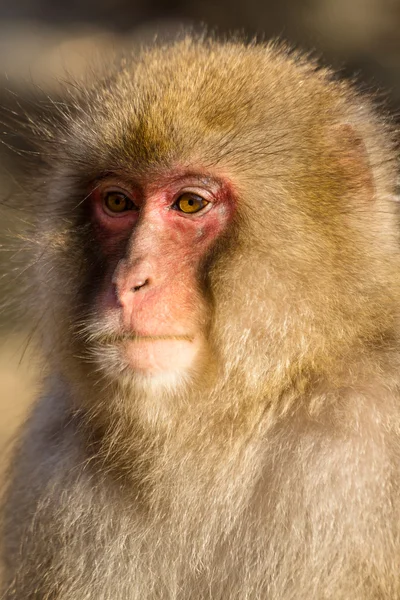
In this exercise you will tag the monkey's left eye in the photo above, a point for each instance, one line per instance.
(117, 202)
(190, 203)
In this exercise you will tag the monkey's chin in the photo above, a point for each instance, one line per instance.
(154, 355)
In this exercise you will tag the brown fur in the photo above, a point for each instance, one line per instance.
(273, 471)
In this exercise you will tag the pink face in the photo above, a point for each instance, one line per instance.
(152, 293)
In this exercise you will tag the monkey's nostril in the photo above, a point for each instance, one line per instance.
(139, 285)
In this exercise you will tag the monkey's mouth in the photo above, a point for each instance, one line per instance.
(151, 354)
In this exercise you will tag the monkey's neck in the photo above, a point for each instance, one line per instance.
(224, 430)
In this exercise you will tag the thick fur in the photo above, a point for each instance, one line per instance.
(271, 470)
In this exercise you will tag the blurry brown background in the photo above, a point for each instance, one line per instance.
(39, 39)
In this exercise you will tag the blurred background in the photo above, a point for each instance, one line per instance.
(42, 39)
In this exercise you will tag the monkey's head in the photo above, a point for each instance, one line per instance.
(218, 217)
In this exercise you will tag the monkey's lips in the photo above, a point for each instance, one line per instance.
(158, 353)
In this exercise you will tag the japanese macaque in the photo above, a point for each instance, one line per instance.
(215, 276)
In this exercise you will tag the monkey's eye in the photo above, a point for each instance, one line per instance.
(117, 202)
(189, 203)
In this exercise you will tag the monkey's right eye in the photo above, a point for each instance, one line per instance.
(116, 202)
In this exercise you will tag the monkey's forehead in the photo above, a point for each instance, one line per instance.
(194, 98)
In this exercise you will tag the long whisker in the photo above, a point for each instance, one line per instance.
(132, 337)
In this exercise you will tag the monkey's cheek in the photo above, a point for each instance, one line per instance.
(157, 356)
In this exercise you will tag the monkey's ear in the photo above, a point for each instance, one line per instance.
(351, 157)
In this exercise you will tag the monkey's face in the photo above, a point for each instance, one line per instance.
(154, 237)
(206, 215)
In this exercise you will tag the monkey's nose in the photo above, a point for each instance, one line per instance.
(139, 284)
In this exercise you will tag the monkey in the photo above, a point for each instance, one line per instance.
(214, 275)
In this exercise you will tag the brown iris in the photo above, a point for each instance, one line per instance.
(117, 202)
(190, 203)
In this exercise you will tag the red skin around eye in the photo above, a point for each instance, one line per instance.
(152, 286)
